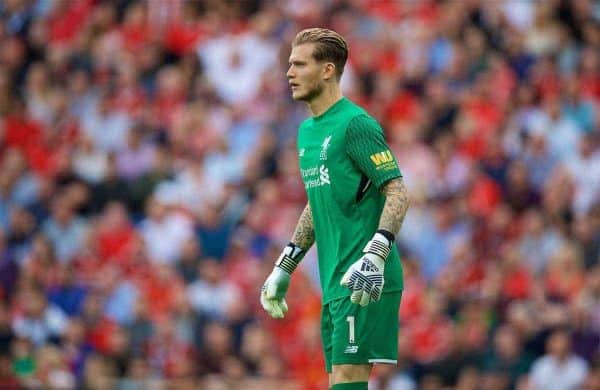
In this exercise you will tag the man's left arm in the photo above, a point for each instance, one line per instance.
(396, 204)
(366, 146)
(365, 277)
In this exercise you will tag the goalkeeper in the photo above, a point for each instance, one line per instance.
(356, 204)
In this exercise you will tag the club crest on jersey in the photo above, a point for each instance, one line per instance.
(324, 147)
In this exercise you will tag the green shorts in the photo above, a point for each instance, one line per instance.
(352, 334)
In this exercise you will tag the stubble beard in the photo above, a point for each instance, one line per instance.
(312, 94)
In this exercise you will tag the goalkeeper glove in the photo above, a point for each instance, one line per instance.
(272, 295)
(365, 277)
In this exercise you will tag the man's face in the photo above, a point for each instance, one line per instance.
(305, 74)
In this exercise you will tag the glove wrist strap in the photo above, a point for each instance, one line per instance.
(290, 257)
(379, 245)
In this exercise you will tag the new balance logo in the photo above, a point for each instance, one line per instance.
(324, 174)
(381, 158)
(351, 349)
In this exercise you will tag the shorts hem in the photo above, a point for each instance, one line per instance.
(383, 361)
(366, 361)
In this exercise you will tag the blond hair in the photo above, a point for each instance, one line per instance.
(329, 46)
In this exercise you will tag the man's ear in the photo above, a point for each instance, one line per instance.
(329, 71)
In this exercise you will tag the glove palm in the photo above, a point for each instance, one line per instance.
(272, 295)
(365, 277)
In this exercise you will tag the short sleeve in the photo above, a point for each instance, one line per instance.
(367, 148)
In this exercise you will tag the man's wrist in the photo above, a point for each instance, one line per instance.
(387, 234)
(290, 257)
(380, 245)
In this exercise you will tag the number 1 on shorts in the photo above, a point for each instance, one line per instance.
(350, 320)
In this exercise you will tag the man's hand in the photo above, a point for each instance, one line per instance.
(365, 277)
(272, 294)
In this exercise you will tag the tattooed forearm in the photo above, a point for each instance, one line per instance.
(304, 235)
(396, 204)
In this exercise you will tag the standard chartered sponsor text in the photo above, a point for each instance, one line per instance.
(315, 176)
(309, 172)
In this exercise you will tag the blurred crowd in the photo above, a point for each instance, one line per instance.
(149, 179)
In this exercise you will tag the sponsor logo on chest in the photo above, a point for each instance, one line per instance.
(315, 176)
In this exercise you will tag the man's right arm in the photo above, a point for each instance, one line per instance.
(272, 296)
(304, 235)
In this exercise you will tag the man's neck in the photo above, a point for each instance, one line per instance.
(326, 99)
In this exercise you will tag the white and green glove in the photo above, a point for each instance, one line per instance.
(365, 277)
(272, 294)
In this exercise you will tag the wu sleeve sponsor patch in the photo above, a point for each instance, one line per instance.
(383, 160)
(367, 148)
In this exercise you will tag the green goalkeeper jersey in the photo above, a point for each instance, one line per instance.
(344, 161)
